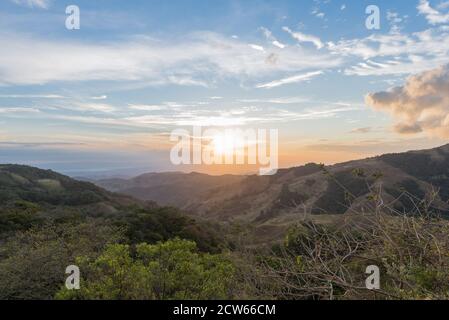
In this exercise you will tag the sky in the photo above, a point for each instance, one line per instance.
(106, 97)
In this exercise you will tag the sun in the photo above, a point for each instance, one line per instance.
(226, 144)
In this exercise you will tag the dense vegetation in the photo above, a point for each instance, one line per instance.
(49, 221)
(128, 249)
(170, 270)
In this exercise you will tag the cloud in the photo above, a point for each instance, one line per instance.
(289, 80)
(44, 4)
(284, 100)
(404, 128)
(395, 53)
(147, 107)
(18, 110)
(269, 36)
(443, 5)
(374, 146)
(317, 13)
(421, 105)
(94, 107)
(256, 47)
(103, 97)
(395, 21)
(301, 37)
(432, 15)
(38, 144)
(195, 60)
(163, 117)
(278, 44)
(362, 130)
(31, 96)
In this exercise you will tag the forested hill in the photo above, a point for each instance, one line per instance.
(48, 221)
(18, 182)
(405, 180)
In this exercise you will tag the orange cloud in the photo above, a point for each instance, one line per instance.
(421, 105)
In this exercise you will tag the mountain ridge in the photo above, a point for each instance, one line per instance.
(318, 189)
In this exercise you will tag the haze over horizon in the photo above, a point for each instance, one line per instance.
(106, 97)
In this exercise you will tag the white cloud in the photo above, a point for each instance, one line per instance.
(395, 53)
(433, 16)
(147, 107)
(31, 96)
(285, 100)
(164, 117)
(289, 80)
(44, 4)
(18, 110)
(257, 47)
(102, 97)
(317, 13)
(270, 37)
(443, 5)
(98, 107)
(301, 37)
(278, 44)
(198, 60)
(421, 105)
(395, 20)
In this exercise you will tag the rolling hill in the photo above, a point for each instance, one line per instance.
(396, 182)
(49, 221)
(34, 198)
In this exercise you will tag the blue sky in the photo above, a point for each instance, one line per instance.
(106, 96)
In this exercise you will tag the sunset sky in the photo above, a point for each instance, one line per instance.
(107, 96)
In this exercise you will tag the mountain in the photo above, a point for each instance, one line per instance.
(48, 188)
(33, 198)
(49, 221)
(172, 188)
(396, 182)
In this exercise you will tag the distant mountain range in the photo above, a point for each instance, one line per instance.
(396, 182)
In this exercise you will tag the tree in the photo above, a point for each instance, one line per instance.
(33, 262)
(167, 270)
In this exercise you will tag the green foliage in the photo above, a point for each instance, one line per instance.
(20, 215)
(46, 187)
(168, 270)
(129, 250)
(33, 262)
(161, 224)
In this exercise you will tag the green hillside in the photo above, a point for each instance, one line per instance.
(47, 220)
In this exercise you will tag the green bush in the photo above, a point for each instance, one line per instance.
(168, 270)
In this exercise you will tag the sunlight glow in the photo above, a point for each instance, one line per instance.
(227, 144)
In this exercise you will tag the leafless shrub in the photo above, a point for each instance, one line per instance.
(329, 262)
